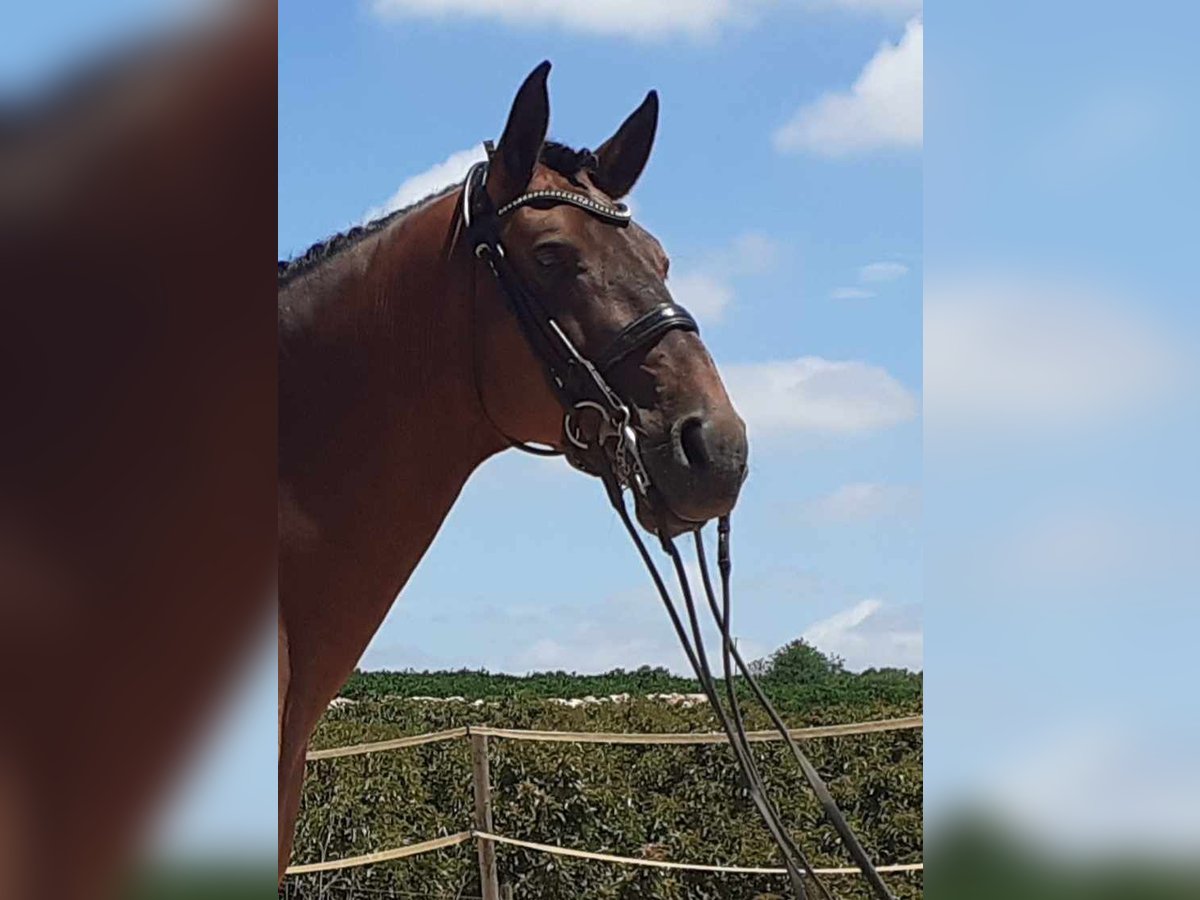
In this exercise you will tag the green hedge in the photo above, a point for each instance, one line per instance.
(677, 803)
(797, 677)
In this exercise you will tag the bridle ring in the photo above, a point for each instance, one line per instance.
(571, 431)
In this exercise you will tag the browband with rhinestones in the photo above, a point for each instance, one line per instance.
(617, 215)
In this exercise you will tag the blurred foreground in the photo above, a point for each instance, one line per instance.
(202, 882)
(1061, 434)
(975, 855)
(137, 219)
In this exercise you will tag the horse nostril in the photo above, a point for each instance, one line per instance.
(691, 442)
(699, 468)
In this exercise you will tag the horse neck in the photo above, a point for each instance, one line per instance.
(380, 424)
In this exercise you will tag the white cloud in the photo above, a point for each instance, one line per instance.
(870, 635)
(861, 501)
(882, 271)
(626, 630)
(1107, 135)
(881, 7)
(817, 395)
(453, 168)
(1020, 353)
(705, 296)
(871, 273)
(752, 253)
(851, 293)
(594, 648)
(1090, 548)
(1060, 789)
(1071, 543)
(622, 18)
(707, 290)
(400, 656)
(882, 109)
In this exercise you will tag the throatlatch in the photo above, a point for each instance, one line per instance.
(614, 457)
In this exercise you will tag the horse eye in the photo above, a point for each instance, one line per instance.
(553, 254)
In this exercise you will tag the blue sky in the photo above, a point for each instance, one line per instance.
(1060, 321)
(777, 192)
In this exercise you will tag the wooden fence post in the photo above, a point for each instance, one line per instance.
(481, 778)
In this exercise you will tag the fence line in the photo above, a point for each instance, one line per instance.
(485, 839)
(412, 740)
(463, 836)
(693, 867)
(382, 856)
(610, 737)
(712, 737)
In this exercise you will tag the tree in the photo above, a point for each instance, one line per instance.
(799, 662)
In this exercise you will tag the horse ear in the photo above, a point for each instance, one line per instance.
(521, 143)
(623, 156)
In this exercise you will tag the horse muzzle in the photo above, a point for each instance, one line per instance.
(699, 468)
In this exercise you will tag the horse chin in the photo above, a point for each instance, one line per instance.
(656, 516)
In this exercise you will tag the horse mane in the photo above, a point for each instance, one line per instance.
(326, 249)
(564, 160)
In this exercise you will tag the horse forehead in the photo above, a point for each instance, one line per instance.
(546, 178)
(634, 238)
(651, 245)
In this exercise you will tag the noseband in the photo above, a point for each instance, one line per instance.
(580, 383)
(613, 455)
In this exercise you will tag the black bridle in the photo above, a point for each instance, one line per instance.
(580, 383)
(615, 458)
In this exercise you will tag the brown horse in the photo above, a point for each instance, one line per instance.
(402, 368)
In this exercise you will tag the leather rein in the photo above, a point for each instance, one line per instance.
(614, 457)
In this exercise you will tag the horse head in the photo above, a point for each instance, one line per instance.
(606, 287)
